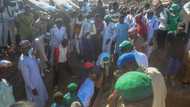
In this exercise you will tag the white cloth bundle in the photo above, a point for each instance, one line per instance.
(159, 87)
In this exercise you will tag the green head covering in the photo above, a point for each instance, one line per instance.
(126, 45)
(72, 87)
(175, 8)
(134, 86)
(108, 18)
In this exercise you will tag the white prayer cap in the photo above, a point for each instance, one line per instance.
(58, 20)
(23, 104)
(25, 43)
(76, 104)
(5, 63)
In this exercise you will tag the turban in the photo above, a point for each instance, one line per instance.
(72, 87)
(134, 86)
(126, 45)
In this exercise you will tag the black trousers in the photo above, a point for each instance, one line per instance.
(161, 38)
(61, 70)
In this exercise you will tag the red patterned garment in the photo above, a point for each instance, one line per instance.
(56, 54)
(141, 27)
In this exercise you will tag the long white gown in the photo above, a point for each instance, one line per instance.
(31, 74)
(108, 35)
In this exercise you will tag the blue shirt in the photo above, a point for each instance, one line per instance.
(86, 92)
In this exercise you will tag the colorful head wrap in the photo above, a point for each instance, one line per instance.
(108, 18)
(115, 17)
(134, 86)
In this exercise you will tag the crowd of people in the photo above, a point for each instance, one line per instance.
(113, 47)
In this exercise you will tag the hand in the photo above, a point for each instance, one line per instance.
(88, 33)
(88, 37)
(35, 92)
(47, 70)
(188, 13)
(108, 41)
(151, 43)
(112, 97)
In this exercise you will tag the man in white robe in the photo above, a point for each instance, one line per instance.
(35, 89)
(58, 33)
(87, 33)
(108, 35)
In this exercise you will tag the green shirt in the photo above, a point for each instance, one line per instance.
(24, 25)
(173, 22)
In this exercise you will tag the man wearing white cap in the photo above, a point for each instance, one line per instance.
(28, 65)
(58, 34)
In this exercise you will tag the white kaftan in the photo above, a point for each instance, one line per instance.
(108, 37)
(57, 36)
(31, 74)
